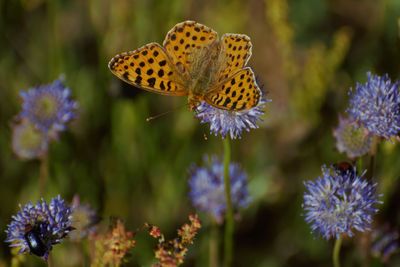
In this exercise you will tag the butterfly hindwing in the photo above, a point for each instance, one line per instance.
(236, 49)
(149, 68)
(184, 38)
(240, 92)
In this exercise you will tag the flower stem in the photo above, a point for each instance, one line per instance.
(214, 240)
(360, 165)
(43, 174)
(49, 261)
(229, 226)
(373, 152)
(336, 252)
(371, 170)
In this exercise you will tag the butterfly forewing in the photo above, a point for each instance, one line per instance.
(237, 51)
(184, 38)
(240, 92)
(149, 68)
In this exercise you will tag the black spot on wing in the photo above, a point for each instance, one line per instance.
(227, 101)
(151, 81)
(138, 80)
(162, 86)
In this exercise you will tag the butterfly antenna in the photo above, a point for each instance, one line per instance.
(164, 113)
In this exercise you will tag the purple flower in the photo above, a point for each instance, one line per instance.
(352, 138)
(84, 220)
(339, 202)
(385, 243)
(36, 228)
(226, 122)
(48, 107)
(207, 189)
(376, 105)
(27, 141)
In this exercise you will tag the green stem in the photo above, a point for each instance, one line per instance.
(49, 261)
(82, 254)
(371, 170)
(360, 165)
(43, 174)
(214, 240)
(336, 252)
(229, 226)
(373, 153)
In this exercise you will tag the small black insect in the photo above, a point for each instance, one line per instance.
(35, 242)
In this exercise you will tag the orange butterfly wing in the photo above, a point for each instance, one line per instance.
(184, 38)
(240, 92)
(149, 68)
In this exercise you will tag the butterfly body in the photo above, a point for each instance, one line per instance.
(193, 62)
(203, 72)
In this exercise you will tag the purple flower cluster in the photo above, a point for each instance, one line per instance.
(352, 138)
(207, 189)
(28, 142)
(339, 202)
(232, 123)
(376, 105)
(45, 112)
(84, 220)
(36, 228)
(385, 243)
(49, 107)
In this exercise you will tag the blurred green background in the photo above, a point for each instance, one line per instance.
(307, 54)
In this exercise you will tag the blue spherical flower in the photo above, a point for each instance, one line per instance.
(226, 122)
(207, 189)
(352, 138)
(339, 202)
(49, 107)
(36, 228)
(376, 105)
(27, 141)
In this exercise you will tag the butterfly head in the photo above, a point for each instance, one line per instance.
(193, 101)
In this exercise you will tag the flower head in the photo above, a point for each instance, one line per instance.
(339, 202)
(36, 228)
(352, 138)
(376, 105)
(27, 141)
(226, 122)
(84, 219)
(49, 107)
(207, 189)
(385, 243)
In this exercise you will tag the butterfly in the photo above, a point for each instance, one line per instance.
(194, 62)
